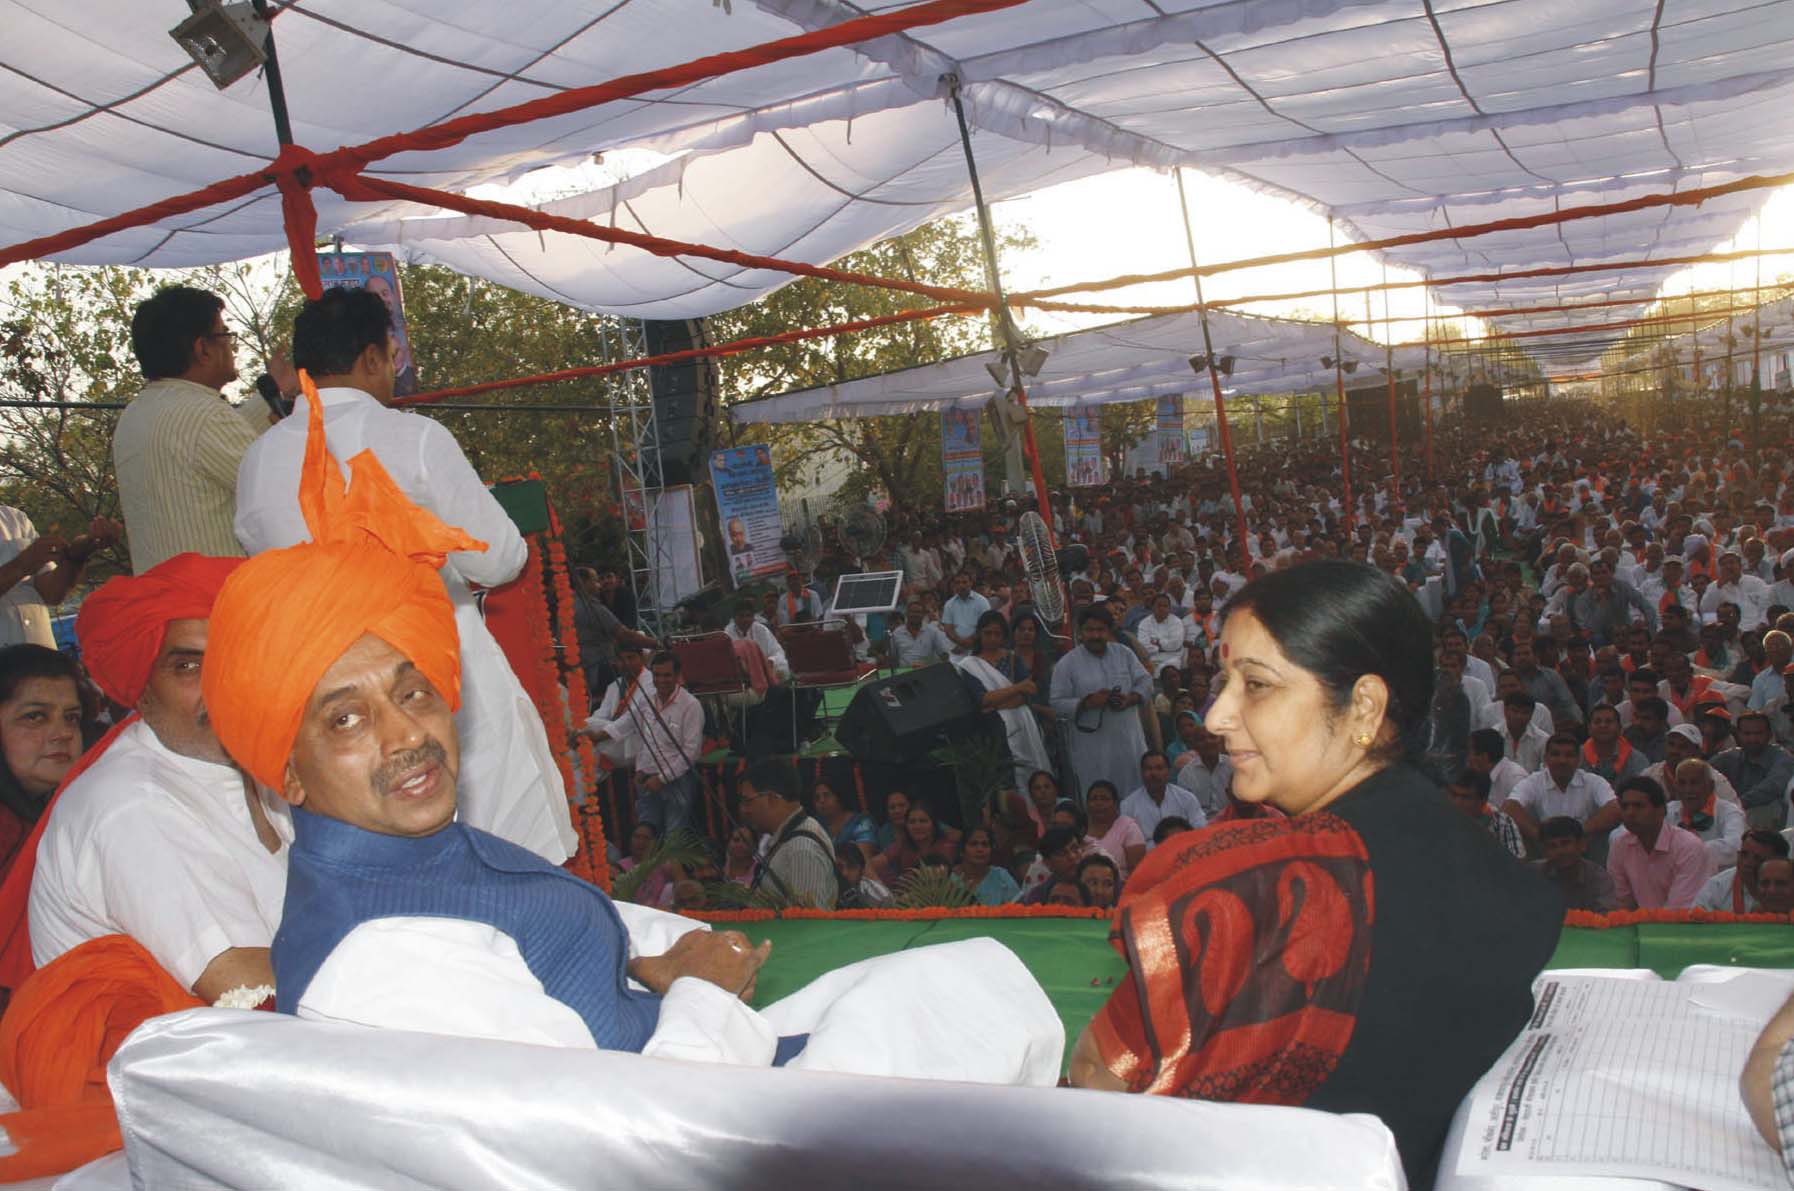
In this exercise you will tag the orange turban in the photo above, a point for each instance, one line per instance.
(61, 1029)
(121, 625)
(287, 615)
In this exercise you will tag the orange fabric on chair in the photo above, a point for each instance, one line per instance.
(62, 1028)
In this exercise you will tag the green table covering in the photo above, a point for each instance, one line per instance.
(1076, 966)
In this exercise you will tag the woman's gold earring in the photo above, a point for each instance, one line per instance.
(1362, 741)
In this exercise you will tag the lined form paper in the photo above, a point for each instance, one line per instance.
(1625, 1079)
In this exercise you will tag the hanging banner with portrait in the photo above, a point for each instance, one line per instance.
(1083, 446)
(1171, 432)
(379, 272)
(747, 503)
(962, 460)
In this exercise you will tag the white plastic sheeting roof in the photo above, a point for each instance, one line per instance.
(1131, 361)
(1394, 115)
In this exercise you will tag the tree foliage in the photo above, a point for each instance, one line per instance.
(899, 455)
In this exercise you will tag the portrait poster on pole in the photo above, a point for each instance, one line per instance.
(1083, 446)
(1171, 431)
(379, 272)
(1200, 442)
(962, 460)
(747, 502)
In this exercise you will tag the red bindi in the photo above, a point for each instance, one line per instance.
(1223, 649)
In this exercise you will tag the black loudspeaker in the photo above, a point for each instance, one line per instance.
(1369, 408)
(685, 401)
(1482, 400)
(898, 719)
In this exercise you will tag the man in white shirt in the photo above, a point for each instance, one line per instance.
(744, 626)
(1733, 586)
(1161, 635)
(1205, 771)
(667, 729)
(1698, 808)
(916, 642)
(1156, 798)
(36, 573)
(959, 615)
(1562, 787)
(1778, 648)
(1521, 737)
(1485, 755)
(632, 682)
(798, 604)
(162, 837)
(514, 788)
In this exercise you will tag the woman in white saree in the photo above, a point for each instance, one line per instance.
(993, 667)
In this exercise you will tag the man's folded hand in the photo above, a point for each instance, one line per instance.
(724, 958)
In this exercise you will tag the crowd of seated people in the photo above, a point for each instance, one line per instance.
(1608, 607)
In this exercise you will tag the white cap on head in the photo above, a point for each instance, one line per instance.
(1687, 732)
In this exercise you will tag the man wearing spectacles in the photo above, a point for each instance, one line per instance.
(178, 443)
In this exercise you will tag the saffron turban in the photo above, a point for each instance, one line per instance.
(60, 1031)
(121, 625)
(286, 616)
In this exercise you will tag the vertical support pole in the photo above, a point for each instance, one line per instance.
(1756, 343)
(1002, 327)
(1345, 419)
(1214, 375)
(1694, 329)
(1395, 438)
(1427, 323)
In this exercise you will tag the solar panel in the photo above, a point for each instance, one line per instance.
(875, 592)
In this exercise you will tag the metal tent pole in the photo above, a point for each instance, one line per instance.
(1345, 419)
(1003, 327)
(1214, 373)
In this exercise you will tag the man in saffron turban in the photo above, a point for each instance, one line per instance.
(511, 786)
(157, 834)
(398, 915)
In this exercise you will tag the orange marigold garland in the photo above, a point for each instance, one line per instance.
(574, 753)
(925, 914)
(1619, 918)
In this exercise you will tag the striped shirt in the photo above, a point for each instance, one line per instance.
(175, 452)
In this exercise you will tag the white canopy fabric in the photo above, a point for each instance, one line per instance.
(1395, 115)
(1131, 361)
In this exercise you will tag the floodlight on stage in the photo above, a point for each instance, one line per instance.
(1198, 364)
(227, 41)
(1225, 365)
(998, 373)
(1032, 359)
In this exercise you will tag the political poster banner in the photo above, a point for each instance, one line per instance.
(962, 460)
(1171, 441)
(747, 502)
(1200, 439)
(379, 272)
(1083, 446)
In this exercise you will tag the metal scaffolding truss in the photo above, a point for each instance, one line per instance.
(635, 455)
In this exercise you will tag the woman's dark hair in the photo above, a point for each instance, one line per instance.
(990, 618)
(330, 334)
(1099, 860)
(1102, 784)
(166, 324)
(1343, 620)
(1169, 826)
(1046, 773)
(20, 664)
(1079, 820)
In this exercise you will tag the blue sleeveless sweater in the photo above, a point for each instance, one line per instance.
(340, 876)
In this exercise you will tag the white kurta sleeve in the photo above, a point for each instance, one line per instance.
(468, 980)
(461, 499)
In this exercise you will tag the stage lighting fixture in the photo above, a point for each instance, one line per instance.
(227, 41)
(1032, 358)
(1225, 364)
(999, 372)
(1343, 365)
(1198, 364)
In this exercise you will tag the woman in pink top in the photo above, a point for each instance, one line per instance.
(1115, 833)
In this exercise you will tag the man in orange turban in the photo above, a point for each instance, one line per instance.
(157, 834)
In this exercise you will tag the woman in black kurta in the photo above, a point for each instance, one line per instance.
(1374, 951)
